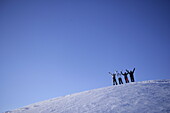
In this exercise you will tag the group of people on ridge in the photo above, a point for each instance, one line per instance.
(125, 74)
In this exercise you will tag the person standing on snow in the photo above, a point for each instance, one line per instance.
(119, 77)
(131, 73)
(125, 76)
(114, 78)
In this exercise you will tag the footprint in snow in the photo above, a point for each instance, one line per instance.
(8, 112)
(36, 105)
(26, 108)
(52, 110)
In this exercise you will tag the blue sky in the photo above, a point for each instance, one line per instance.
(53, 48)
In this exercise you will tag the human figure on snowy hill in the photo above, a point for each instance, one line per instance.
(119, 77)
(131, 73)
(125, 76)
(114, 78)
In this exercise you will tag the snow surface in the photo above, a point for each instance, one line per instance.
(142, 97)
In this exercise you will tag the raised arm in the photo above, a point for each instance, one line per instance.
(110, 73)
(121, 72)
(127, 70)
(133, 70)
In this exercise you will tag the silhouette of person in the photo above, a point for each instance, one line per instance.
(119, 77)
(131, 73)
(125, 76)
(114, 78)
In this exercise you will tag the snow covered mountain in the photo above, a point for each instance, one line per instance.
(141, 97)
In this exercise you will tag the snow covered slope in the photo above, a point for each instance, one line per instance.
(142, 97)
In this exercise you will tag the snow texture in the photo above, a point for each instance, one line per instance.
(142, 97)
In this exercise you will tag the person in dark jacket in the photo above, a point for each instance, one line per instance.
(125, 76)
(131, 73)
(114, 78)
(119, 76)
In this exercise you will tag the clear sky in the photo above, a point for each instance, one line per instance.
(54, 48)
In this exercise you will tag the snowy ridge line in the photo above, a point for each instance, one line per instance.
(152, 96)
(156, 81)
(74, 94)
